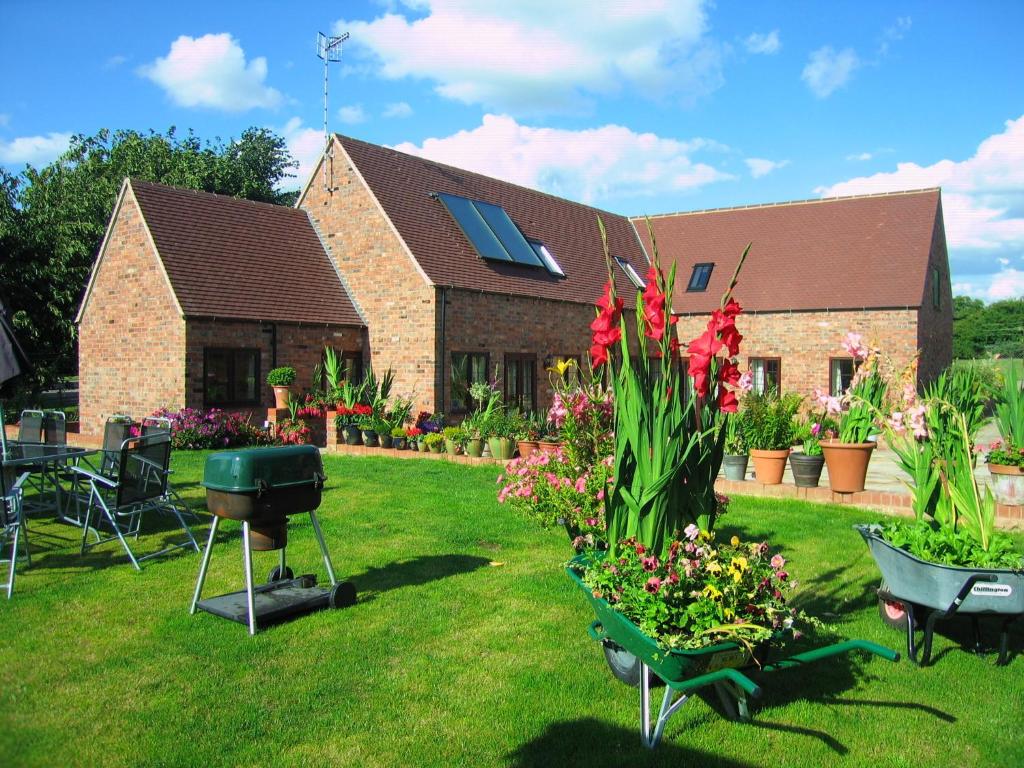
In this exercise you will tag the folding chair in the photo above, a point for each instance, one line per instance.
(116, 430)
(55, 428)
(30, 429)
(140, 486)
(153, 425)
(12, 525)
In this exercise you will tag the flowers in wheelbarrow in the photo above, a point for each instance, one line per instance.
(700, 593)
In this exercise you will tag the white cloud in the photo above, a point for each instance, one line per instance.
(211, 71)
(34, 150)
(767, 44)
(5, 119)
(1008, 284)
(524, 56)
(982, 202)
(305, 145)
(590, 165)
(893, 34)
(861, 157)
(828, 70)
(352, 114)
(759, 167)
(397, 109)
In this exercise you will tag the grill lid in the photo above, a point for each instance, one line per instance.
(255, 470)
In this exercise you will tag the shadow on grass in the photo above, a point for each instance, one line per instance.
(595, 744)
(959, 630)
(411, 572)
(835, 594)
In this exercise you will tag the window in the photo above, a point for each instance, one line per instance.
(352, 366)
(631, 273)
(766, 372)
(231, 377)
(468, 368)
(494, 235)
(521, 382)
(840, 374)
(936, 288)
(699, 278)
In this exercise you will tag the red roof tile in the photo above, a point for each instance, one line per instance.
(240, 259)
(403, 185)
(839, 253)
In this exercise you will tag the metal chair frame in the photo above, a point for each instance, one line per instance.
(12, 526)
(116, 430)
(140, 486)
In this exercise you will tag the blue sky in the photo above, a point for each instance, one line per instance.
(645, 106)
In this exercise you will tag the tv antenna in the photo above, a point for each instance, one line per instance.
(328, 49)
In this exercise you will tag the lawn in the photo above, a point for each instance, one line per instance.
(468, 646)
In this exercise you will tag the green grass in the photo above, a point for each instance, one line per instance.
(467, 648)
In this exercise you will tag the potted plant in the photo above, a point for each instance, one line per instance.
(281, 379)
(434, 442)
(383, 430)
(398, 438)
(454, 440)
(527, 437)
(1006, 457)
(767, 424)
(414, 435)
(734, 460)
(808, 463)
(368, 427)
(549, 440)
(847, 457)
(501, 429)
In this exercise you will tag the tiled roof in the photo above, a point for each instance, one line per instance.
(403, 185)
(839, 253)
(239, 259)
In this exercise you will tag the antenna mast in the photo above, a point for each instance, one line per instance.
(328, 49)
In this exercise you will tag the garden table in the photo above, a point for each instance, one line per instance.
(45, 461)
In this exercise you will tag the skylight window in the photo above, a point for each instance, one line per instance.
(631, 273)
(495, 236)
(699, 278)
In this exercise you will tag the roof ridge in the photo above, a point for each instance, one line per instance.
(808, 201)
(482, 176)
(203, 193)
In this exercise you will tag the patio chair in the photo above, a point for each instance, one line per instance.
(140, 486)
(55, 428)
(152, 425)
(12, 525)
(116, 430)
(30, 429)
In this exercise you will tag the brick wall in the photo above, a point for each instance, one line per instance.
(131, 344)
(397, 301)
(935, 324)
(299, 346)
(806, 340)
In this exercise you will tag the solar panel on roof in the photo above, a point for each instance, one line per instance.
(473, 226)
(508, 233)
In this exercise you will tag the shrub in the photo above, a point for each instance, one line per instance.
(767, 420)
(281, 377)
(192, 429)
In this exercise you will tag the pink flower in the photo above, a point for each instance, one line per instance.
(581, 484)
(653, 585)
(650, 564)
(816, 429)
(691, 532)
(778, 561)
(746, 382)
(896, 422)
(591, 522)
(854, 346)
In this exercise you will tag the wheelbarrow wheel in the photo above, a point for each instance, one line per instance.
(343, 594)
(893, 613)
(625, 667)
(276, 575)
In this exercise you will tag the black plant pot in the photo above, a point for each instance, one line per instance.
(806, 469)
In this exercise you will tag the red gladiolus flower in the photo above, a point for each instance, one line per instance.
(598, 355)
(702, 350)
(729, 373)
(605, 326)
(727, 402)
(654, 307)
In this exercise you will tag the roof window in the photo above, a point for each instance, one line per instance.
(494, 235)
(631, 273)
(699, 278)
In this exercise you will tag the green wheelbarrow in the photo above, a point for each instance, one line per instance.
(686, 671)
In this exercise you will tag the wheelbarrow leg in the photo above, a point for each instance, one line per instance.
(734, 701)
(668, 708)
(1004, 642)
(979, 647)
(911, 640)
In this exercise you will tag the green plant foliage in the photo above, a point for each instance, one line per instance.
(767, 420)
(1010, 410)
(984, 331)
(281, 377)
(941, 544)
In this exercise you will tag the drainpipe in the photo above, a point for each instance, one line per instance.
(444, 317)
(272, 330)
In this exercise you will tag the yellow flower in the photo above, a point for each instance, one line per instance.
(713, 567)
(740, 563)
(712, 592)
(562, 366)
(735, 541)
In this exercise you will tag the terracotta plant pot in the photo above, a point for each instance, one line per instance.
(527, 448)
(1007, 483)
(548, 446)
(735, 466)
(769, 466)
(280, 397)
(847, 465)
(806, 469)
(475, 447)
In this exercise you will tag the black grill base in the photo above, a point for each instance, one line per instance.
(274, 602)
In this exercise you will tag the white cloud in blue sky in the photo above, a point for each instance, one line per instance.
(827, 70)
(763, 43)
(523, 57)
(760, 167)
(34, 150)
(211, 71)
(352, 114)
(397, 109)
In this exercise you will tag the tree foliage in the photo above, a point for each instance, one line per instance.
(984, 331)
(52, 219)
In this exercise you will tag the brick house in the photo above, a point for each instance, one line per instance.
(194, 297)
(449, 277)
(875, 264)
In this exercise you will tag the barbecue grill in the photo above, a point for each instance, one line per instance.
(261, 488)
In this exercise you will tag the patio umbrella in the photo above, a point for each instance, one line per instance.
(13, 360)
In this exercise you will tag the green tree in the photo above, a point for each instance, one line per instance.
(52, 220)
(984, 331)
(965, 312)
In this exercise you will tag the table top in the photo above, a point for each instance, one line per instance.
(23, 454)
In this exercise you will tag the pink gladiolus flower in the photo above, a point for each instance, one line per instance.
(746, 382)
(854, 346)
(896, 422)
(816, 429)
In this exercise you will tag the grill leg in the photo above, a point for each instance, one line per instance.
(249, 594)
(281, 571)
(323, 548)
(204, 565)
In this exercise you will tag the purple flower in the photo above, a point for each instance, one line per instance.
(653, 585)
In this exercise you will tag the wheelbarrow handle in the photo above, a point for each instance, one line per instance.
(834, 650)
(597, 631)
